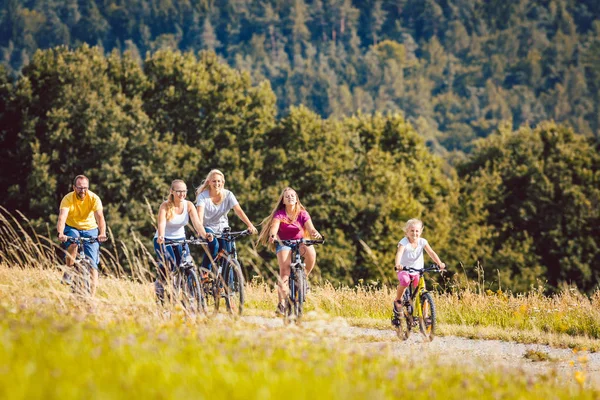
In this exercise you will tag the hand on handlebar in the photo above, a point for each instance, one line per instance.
(398, 267)
(102, 238)
(62, 237)
(252, 229)
(316, 234)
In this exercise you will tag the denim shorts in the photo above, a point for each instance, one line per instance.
(91, 250)
(279, 247)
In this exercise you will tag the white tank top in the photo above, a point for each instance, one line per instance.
(175, 228)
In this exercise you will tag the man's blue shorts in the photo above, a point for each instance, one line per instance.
(91, 250)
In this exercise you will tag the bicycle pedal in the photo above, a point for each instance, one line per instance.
(395, 322)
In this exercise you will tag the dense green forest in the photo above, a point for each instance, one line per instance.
(456, 69)
(370, 110)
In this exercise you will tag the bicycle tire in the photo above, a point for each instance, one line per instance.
(290, 303)
(82, 284)
(192, 292)
(210, 290)
(428, 320)
(300, 293)
(233, 279)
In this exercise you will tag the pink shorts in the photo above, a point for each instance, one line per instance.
(405, 278)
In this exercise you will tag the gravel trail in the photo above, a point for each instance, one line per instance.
(493, 354)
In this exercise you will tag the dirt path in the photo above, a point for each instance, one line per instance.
(493, 354)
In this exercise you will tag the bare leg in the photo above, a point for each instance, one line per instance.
(284, 258)
(72, 253)
(310, 257)
(400, 292)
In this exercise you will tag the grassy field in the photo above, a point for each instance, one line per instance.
(122, 345)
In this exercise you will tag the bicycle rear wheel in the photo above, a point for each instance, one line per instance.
(234, 287)
(427, 322)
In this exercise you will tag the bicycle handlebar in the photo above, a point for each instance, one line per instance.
(191, 240)
(78, 240)
(231, 236)
(297, 242)
(430, 268)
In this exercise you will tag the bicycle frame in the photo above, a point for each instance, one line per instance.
(415, 294)
(297, 295)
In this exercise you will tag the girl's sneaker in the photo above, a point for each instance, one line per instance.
(280, 311)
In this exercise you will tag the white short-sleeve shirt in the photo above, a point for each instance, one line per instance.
(412, 256)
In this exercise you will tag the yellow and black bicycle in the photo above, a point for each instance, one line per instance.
(418, 308)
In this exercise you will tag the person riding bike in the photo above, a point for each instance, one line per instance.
(213, 202)
(173, 215)
(80, 215)
(410, 255)
(289, 220)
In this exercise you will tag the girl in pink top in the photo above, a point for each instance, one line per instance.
(288, 220)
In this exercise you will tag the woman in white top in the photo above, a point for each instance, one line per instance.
(173, 215)
(213, 202)
(410, 255)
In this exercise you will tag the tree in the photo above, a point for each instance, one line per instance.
(536, 193)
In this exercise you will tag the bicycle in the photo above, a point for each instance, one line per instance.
(81, 281)
(185, 282)
(298, 281)
(418, 308)
(226, 280)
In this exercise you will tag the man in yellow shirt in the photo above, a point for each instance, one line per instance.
(81, 215)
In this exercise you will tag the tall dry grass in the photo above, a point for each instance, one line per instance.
(30, 271)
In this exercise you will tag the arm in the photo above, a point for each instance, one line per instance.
(274, 230)
(242, 215)
(434, 256)
(162, 223)
(196, 221)
(60, 225)
(399, 253)
(200, 210)
(99, 215)
(311, 228)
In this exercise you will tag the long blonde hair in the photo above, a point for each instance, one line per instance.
(171, 200)
(263, 237)
(206, 183)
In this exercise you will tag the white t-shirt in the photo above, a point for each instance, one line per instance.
(412, 257)
(215, 215)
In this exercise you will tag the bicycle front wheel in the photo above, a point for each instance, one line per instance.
(234, 287)
(300, 293)
(82, 279)
(192, 293)
(427, 322)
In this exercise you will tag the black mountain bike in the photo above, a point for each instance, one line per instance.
(298, 281)
(418, 308)
(184, 278)
(226, 279)
(81, 281)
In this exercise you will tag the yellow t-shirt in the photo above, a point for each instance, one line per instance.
(81, 212)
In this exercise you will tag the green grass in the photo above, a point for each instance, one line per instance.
(50, 355)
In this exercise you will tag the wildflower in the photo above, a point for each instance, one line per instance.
(580, 377)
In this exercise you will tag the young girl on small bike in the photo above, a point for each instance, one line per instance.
(410, 255)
